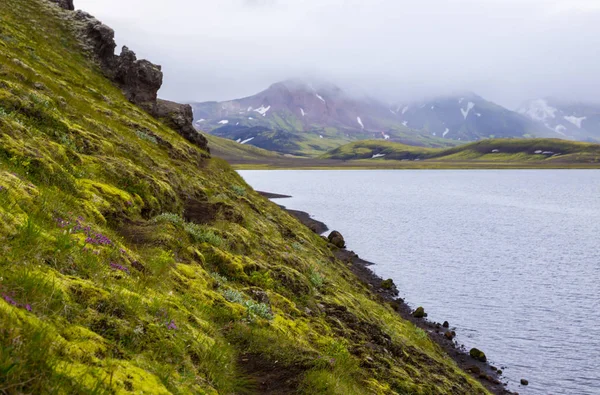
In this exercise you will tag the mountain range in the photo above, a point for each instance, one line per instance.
(569, 120)
(301, 118)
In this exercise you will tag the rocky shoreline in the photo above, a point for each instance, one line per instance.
(441, 333)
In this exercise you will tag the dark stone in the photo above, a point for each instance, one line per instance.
(419, 312)
(446, 324)
(524, 382)
(180, 117)
(337, 239)
(66, 4)
(477, 354)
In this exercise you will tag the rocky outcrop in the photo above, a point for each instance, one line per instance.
(66, 4)
(179, 117)
(139, 79)
(97, 38)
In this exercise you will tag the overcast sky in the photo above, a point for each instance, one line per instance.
(505, 50)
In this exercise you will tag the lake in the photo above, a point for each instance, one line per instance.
(511, 258)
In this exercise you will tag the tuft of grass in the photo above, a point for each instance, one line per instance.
(202, 234)
(238, 190)
(146, 137)
(171, 218)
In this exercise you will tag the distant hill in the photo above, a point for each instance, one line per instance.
(576, 121)
(467, 117)
(491, 150)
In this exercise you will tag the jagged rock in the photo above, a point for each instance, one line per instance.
(337, 239)
(140, 80)
(66, 4)
(180, 118)
(450, 335)
(98, 39)
(446, 324)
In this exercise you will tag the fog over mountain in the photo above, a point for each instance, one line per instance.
(505, 50)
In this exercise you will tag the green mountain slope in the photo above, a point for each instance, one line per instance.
(493, 150)
(132, 262)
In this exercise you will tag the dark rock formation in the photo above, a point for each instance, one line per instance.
(66, 4)
(524, 382)
(336, 239)
(419, 312)
(140, 80)
(97, 38)
(180, 117)
(446, 324)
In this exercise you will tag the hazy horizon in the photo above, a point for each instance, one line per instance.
(506, 51)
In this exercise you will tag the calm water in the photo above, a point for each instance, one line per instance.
(511, 258)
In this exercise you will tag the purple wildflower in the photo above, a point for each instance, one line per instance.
(172, 325)
(116, 266)
(9, 300)
(98, 239)
(13, 302)
(2, 188)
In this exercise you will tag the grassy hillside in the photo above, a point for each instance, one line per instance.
(132, 262)
(547, 151)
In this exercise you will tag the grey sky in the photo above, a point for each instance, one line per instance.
(504, 50)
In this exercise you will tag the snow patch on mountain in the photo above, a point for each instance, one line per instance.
(539, 110)
(224, 122)
(262, 110)
(360, 122)
(560, 129)
(302, 112)
(466, 112)
(445, 132)
(377, 156)
(320, 97)
(247, 140)
(404, 110)
(575, 120)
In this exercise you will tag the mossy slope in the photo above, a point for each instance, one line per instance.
(130, 262)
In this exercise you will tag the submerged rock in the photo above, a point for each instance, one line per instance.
(477, 354)
(524, 382)
(337, 239)
(419, 312)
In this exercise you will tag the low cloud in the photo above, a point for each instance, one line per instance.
(505, 50)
